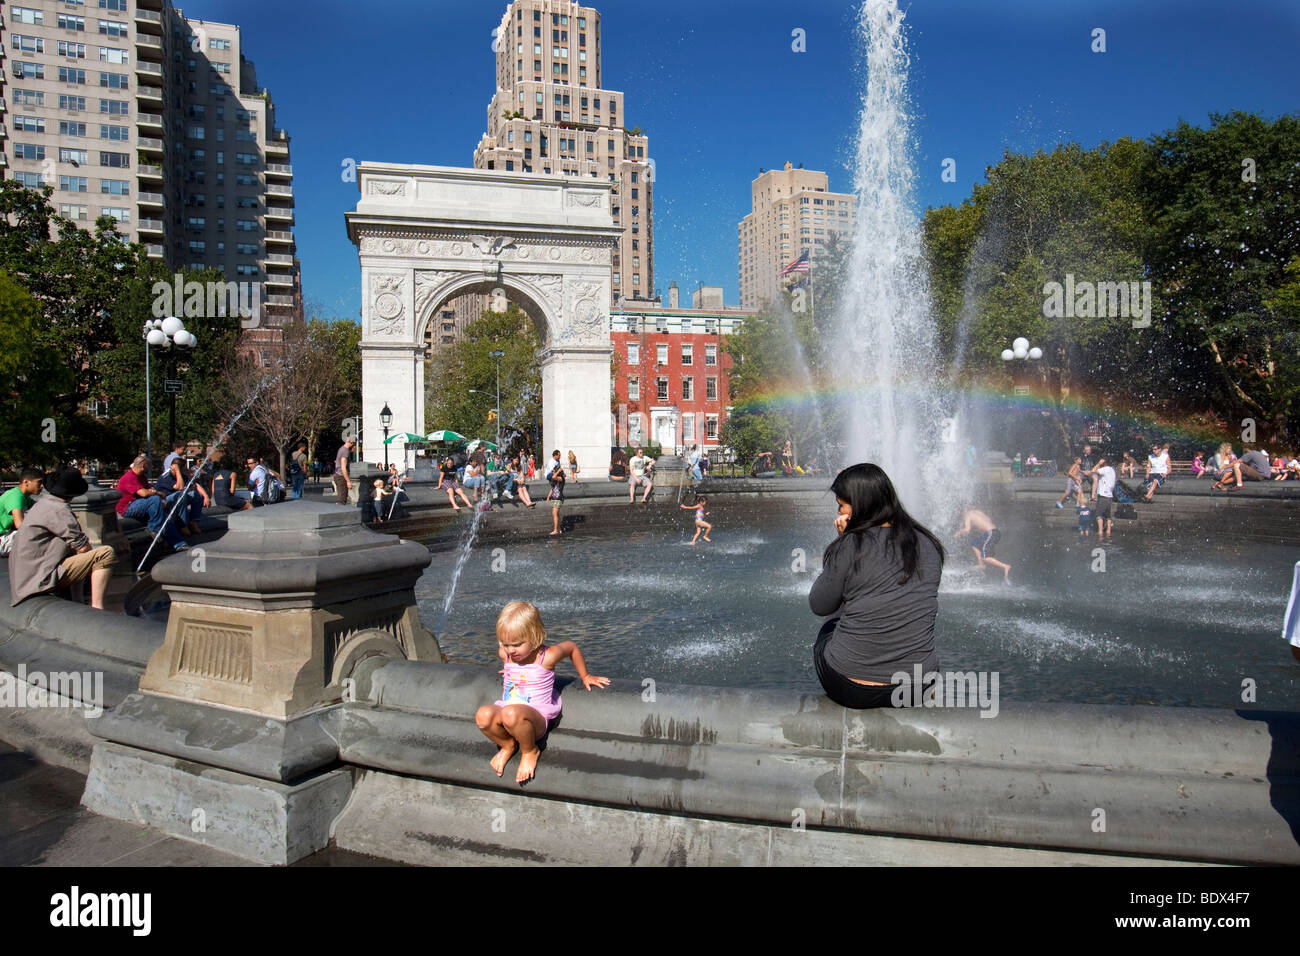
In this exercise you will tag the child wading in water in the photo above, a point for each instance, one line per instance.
(700, 524)
(529, 701)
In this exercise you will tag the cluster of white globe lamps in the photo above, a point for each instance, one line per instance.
(164, 333)
(1020, 350)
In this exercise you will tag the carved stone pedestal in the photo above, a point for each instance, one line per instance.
(266, 625)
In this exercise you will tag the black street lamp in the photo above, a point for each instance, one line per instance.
(386, 419)
(497, 354)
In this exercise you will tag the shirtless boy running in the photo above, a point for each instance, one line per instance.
(984, 536)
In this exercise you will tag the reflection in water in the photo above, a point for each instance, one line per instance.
(1164, 623)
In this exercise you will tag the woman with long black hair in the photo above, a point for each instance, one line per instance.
(880, 581)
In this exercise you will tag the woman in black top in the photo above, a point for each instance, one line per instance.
(451, 485)
(880, 580)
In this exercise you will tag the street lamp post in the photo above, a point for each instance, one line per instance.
(498, 355)
(163, 334)
(386, 419)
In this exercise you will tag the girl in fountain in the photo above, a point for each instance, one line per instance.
(700, 524)
(573, 466)
(1128, 467)
(529, 701)
(1198, 465)
(880, 586)
(451, 485)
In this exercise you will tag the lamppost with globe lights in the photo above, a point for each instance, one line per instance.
(164, 334)
(386, 419)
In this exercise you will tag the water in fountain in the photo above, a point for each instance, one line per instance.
(901, 403)
(461, 558)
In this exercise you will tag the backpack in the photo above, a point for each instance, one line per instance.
(274, 489)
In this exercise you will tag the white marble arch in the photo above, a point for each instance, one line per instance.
(425, 234)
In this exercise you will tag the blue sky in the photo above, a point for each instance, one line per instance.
(720, 93)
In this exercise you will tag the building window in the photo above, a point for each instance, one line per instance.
(711, 389)
(114, 81)
(710, 353)
(115, 107)
(711, 427)
(26, 15)
(111, 28)
(72, 184)
(661, 353)
(70, 211)
(633, 353)
(633, 389)
(217, 44)
(71, 102)
(69, 74)
(687, 349)
(30, 71)
(661, 389)
(110, 54)
(30, 180)
(30, 44)
(115, 187)
(120, 133)
(69, 128)
(115, 160)
(78, 156)
(28, 151)
(29, 98)
(687, 384)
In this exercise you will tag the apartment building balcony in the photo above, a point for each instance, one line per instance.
(154, 251)
(147, 21)
(151, 200)
(278, 170)
(279, 259)
(284, 192)
(151, 73)
(150, 173)
(279, 279)
(2, 106)
(278, 236)
(150, 47)
(277, 143)
(150, 121)
(285, 300)
(279, 214)
(150, 96)
(149, 145)
(153, 227)
(155, 5)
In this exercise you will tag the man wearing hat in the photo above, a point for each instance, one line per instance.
(51, 549)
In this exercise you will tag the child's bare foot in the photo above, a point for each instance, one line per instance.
(527, 765)
(707, 538)
(553, 533)
(503, 757)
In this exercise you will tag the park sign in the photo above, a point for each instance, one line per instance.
(173, 386)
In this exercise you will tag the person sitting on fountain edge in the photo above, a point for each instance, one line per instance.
(880, 584)
(529, 701)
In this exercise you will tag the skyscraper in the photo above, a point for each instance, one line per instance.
(791, 212)
(130, 109)
(551, 115)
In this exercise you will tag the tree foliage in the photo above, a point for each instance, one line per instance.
(467, 364)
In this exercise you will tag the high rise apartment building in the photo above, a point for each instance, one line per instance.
(130, 109)
(551, 115)
(791, 212)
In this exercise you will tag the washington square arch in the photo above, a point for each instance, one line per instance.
(426, 234)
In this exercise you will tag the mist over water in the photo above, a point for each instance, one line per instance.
(901, 399)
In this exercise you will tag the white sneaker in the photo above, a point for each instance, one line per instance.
(508, 496)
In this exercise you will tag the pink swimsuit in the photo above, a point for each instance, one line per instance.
(531, 684)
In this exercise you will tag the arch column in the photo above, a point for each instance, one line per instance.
(578, 419)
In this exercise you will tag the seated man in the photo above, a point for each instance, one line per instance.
(642, 468)
(144, 503)
(50, 549)
(1253, 465)
(16, 502)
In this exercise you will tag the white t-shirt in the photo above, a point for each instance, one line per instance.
(1106, 482)
(1159, 463)
(639, 463)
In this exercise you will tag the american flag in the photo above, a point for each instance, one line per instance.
(799, 265)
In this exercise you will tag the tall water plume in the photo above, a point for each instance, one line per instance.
(899, 397)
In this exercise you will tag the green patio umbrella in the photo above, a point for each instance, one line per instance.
(406, 437)
(445, 434)
(478, 443)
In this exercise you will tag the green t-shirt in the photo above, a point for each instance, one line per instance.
(10, 500)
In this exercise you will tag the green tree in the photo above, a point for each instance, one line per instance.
(467, 365)
(33, 377)
(1224, 203)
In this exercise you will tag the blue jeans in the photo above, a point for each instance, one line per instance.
(152, 511)
(298, 480)
(192, 510)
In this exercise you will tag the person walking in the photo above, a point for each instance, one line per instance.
(51, 550)
(1105, 500)
(1073, 481)
(297, 471)
(342, 480)
(556, 497)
